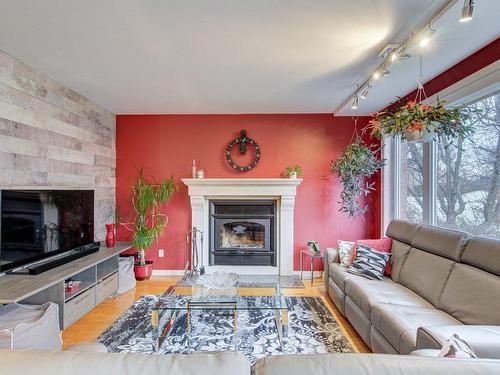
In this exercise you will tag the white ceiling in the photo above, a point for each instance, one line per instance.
(230, 56)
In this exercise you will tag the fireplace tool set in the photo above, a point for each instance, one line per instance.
(194, 268)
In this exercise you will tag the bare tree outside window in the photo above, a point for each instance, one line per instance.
(468, 184)
(468, 176)
(412, 180)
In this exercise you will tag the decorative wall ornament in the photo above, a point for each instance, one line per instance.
(243, 142)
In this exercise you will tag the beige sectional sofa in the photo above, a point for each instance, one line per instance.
(233, 363)
(442, 282)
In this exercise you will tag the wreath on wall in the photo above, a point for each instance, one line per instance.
(243, 141)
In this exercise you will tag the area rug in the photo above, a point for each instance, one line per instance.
(312, 329)
(258, 281)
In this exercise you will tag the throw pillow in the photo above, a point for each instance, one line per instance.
(383, 245)
(455, 347)
(346, 249)
(369, 263)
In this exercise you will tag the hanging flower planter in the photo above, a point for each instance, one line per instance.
(422, 135)
(420, 122)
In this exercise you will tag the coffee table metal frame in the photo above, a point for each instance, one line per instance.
(223, 302)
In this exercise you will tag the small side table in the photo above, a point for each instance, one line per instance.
(311, 254)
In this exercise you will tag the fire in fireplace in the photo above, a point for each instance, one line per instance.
(242, 232)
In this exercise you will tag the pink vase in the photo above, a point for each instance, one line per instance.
(110, 235)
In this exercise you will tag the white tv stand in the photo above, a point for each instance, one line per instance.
(97, 271)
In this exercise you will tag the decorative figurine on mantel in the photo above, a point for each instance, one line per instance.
(243, 142)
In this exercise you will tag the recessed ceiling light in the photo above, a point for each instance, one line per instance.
(376, 75)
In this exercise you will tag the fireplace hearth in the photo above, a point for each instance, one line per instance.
(243, 233)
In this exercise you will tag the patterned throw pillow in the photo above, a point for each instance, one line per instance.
(383, 245)
(345, 252)
(369, 263)
(455, 347)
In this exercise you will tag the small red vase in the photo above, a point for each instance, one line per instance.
(110, 235)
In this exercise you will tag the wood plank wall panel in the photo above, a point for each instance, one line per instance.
(52, 137)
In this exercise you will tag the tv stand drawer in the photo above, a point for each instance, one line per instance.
(75, 308)
(106, 287)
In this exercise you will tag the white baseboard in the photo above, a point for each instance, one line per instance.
(168, 272)
(307, 274)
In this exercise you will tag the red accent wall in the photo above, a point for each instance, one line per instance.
(167, 144)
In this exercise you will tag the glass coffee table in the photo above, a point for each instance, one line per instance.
(188, 300)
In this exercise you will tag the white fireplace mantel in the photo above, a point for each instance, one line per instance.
(282, 190)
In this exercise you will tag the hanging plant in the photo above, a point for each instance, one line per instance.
(355, 165)
(413, 120)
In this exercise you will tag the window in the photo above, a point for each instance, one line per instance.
(412, 174)
(455, 185)
(468, 175)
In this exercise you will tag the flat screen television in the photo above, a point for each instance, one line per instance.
(38, 224)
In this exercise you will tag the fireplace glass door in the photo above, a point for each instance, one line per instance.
(242, 235)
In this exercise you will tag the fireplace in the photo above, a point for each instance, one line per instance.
(242, 233)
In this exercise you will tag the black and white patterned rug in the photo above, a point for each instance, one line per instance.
(312, 329)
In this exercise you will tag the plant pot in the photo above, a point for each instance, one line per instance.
(143, 272)
(110, 235)
(423, 135)
(292, 175)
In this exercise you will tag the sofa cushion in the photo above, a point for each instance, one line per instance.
(484, 253)
(472, 296)
(440, 241)
(402, 230)
(399, 324)
(65, 363)
(371, 364)
(399, 251)
(366, 293)
(339, 275)
(485, 340)
(425, 274)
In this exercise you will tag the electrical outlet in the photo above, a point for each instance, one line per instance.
(161, 253)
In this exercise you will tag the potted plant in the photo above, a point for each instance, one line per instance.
(357, 162)
(314, 246)
(148, 195)
(293, 172)
(416, 121)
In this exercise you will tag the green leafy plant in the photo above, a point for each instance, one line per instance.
(297, 169)
(314, 246)
(416, 117)
(148, 195)
(355, 165)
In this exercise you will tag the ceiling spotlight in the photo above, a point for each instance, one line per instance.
(403, 56)
(365, 92)
(467, 11)
(355, 103)
(376, 75)
(424, 42)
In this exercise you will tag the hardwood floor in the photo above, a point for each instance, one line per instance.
(89, 327)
